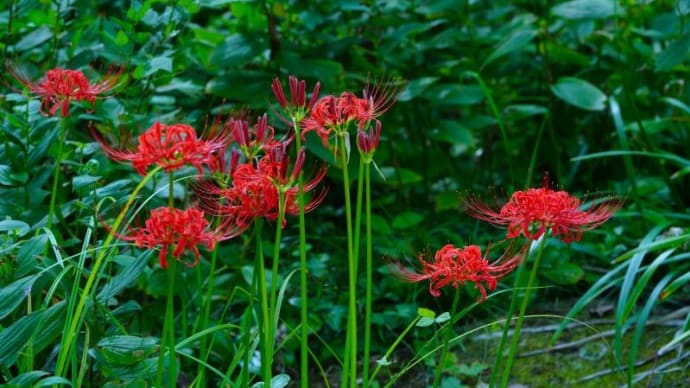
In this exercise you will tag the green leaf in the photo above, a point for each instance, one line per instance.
(12, 295)
(5, 175)
(237, 49)
(159, 63)
(426, 313)
(424, 322)
(15, 227)
(587, 9)
(395, 176)
(454, 133)
(416, 87)
(564, 273)
(121, 38)
(34, 38)
(455, 94)
(29, 251)
(521, 111)
(132, 269)
(14, 337)
(28, 379)
(517, 41)
(407, 220)
(443, 317)
(675, 53)
(579, 93)
(123, 350)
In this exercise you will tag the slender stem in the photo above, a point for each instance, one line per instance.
(350, 371)
(394, 345)
(274, 273)
(369, 275)
(358, 211)
(304, 317)
(509, 318)
(62, 135)
(265, 327)
(521, 314)
(205, 315)
(446, 337)
(76, 319)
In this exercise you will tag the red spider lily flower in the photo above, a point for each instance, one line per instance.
(534, 211)
(368, 141)
(169, 146)
(329, 114)
(255, 190)
(377, 99)
(456, 266)
(60, 87)
(252, 141)
(183, 230)
(298, 107)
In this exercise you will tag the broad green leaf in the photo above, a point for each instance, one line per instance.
(28, 379)
(517, 41)
(426, 313)
(673, 54)
(14, 337)
(129, 275)
(397, 176)
(34, 38)
(579, 93)
(443, 317)
(455, 94)
(424, 322)
(564, 273)
(121, 38)
(12, 295)
(126, 349)
(587, 9)
(84, 180)
(453, 132)
(29, 251)
(416, 87)
(15, 227)
(521, 111)
(159, 63)
(407, 220)
(5, 175)
(380, 225)
(237, 49)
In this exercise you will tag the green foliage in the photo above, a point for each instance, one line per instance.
(496, 94)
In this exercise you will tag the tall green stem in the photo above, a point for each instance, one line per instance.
(274, 273)
(304, 316)
(265, 326)
(369, 274)
(521, 315)
(350, 368)
(62, 136)
(205, 316)
(168, 340)
(509, 317)
(446, 337)
(74, 321)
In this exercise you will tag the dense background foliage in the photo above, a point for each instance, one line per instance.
(497, 93)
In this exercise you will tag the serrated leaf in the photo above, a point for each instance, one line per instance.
(587, 9)
(674, 54)
(517, 41)
(579, 93)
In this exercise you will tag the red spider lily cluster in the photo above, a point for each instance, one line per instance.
(530, 213)
(457, 266)
(234, 194)
(333, 114)
(60, 87)
(534, 211)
